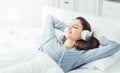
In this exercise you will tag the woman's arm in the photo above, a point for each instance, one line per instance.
(50, 25)
(106, 48)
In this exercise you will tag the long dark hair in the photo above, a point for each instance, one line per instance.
(85, 45)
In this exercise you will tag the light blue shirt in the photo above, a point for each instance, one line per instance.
(71, 58)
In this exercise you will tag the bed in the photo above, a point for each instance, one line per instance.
(18, 50)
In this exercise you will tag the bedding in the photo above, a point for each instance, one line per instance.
(18, 53)
(112, 69)
(19, 49)
(37, 63)
(100, 26)
(104, 63)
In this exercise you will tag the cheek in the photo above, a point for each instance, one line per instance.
(68, 33)
(76, 35)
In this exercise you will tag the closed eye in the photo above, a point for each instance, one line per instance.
(75, 26)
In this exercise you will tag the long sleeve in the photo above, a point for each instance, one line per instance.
(50, 25)
(50, 44)
(106, 48)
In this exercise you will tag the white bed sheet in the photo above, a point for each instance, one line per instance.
(115, 68)
(18, 53)
(38, 62)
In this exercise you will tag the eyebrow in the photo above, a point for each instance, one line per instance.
(76, 24)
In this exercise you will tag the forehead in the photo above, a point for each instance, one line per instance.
(76, 21)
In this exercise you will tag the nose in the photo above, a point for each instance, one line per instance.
(69, 27)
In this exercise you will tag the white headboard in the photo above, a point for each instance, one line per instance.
(101, 26)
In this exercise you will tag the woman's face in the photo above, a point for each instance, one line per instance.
(73, 31)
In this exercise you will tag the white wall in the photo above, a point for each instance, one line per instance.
(91, 7)
(24, 12)
(111, 9)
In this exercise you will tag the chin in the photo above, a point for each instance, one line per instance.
(69, 37)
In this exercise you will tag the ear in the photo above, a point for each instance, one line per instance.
(86, 35)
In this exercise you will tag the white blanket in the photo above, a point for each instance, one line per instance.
(18, 53)
(37, 62)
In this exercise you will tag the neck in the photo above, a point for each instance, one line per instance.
(69, 43)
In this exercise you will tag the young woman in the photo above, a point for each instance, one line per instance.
(77, 47)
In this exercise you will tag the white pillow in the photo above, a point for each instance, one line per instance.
(103, 63)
